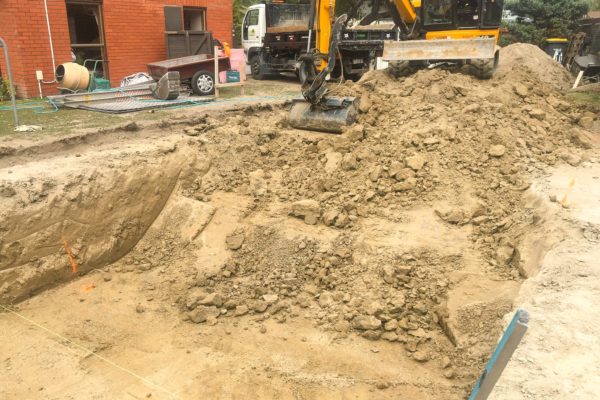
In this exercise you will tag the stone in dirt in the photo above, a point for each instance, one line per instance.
(364, 104)
(537, 114)
(415, 162)
(240, 310)
(349, 162)
(329, 217)
(521, 90)
(201, 314)
(497, 150)
(325, 299)
(270, 298)
(407, 185)
(389, 336)
(213, 299)
(581, 138)
(235, 240)
(191, 131)
(404, 174)
(421, 356)
(7, 191)
(505, 254)
(131, 127)
(309, 210)
(391, 325)
(366, 322)
(586, 122)
(355, 133)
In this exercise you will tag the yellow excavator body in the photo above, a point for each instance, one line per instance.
(428, 31)
(463, 34)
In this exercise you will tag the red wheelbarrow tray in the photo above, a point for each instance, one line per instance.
(188, 66)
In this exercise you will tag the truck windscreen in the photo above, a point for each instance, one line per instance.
(282, 15)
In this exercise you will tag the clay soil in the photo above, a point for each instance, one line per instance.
(226, 255)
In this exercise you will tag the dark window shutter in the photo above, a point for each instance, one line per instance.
(173, 18)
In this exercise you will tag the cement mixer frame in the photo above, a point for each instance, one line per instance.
(69, 72)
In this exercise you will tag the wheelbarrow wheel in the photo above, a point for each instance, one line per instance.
(203, 83)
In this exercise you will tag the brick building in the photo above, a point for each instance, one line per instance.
(128, 34)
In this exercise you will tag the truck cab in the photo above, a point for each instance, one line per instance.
(254, 27)
(274, 35)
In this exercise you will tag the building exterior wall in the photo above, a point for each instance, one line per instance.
(24, 29)
(133, 30)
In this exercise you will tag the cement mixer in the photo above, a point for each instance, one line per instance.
(74, 77)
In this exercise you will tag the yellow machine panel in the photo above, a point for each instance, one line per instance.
(463, 34)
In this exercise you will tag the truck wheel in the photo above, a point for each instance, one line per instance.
(485, 68)
(256, 66)
(203, 83)
(400, 68)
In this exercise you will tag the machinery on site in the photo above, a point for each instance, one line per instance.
(274, 36)
(420, 33)
(585, 62)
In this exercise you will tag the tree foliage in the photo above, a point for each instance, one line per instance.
(556, 18)
(239, 10)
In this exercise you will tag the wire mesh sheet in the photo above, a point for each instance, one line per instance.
(124, 101)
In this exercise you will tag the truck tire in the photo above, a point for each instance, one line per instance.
(485, 68)
(203, 83)
(257, 68)
(400, 68)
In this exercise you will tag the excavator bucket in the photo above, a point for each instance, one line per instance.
(319, 112)
(331, 115)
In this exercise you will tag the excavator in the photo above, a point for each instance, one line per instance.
(424, 33)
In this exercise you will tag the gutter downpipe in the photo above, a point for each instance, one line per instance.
(51, 44)
(12, 88)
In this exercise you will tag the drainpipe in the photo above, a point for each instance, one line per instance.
(51, 44)
(12, 88)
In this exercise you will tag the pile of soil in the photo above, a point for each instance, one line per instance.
(461, 149)
(414, 226)
(533, 60)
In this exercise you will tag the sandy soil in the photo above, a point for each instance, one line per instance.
(227, 255)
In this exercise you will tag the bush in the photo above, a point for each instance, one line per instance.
(556, 18)
(5, 89)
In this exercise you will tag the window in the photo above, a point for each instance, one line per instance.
(194, 19)
(492, 13)
(251, 20)
(438, 12)
(179, 19)
(87, 35)
(467, 13)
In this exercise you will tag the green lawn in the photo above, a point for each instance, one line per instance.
(65, 121)
(589, 98)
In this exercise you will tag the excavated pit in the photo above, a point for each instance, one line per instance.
(413, 230)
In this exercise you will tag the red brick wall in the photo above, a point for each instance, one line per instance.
(133, 42)
(23, 27)
(134, 35)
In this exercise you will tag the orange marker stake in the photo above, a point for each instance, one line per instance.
(70, 254)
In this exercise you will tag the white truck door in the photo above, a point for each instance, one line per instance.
(254, 27)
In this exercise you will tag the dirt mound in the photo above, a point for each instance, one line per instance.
(530, 58)
(411, 228)
(401, 229)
